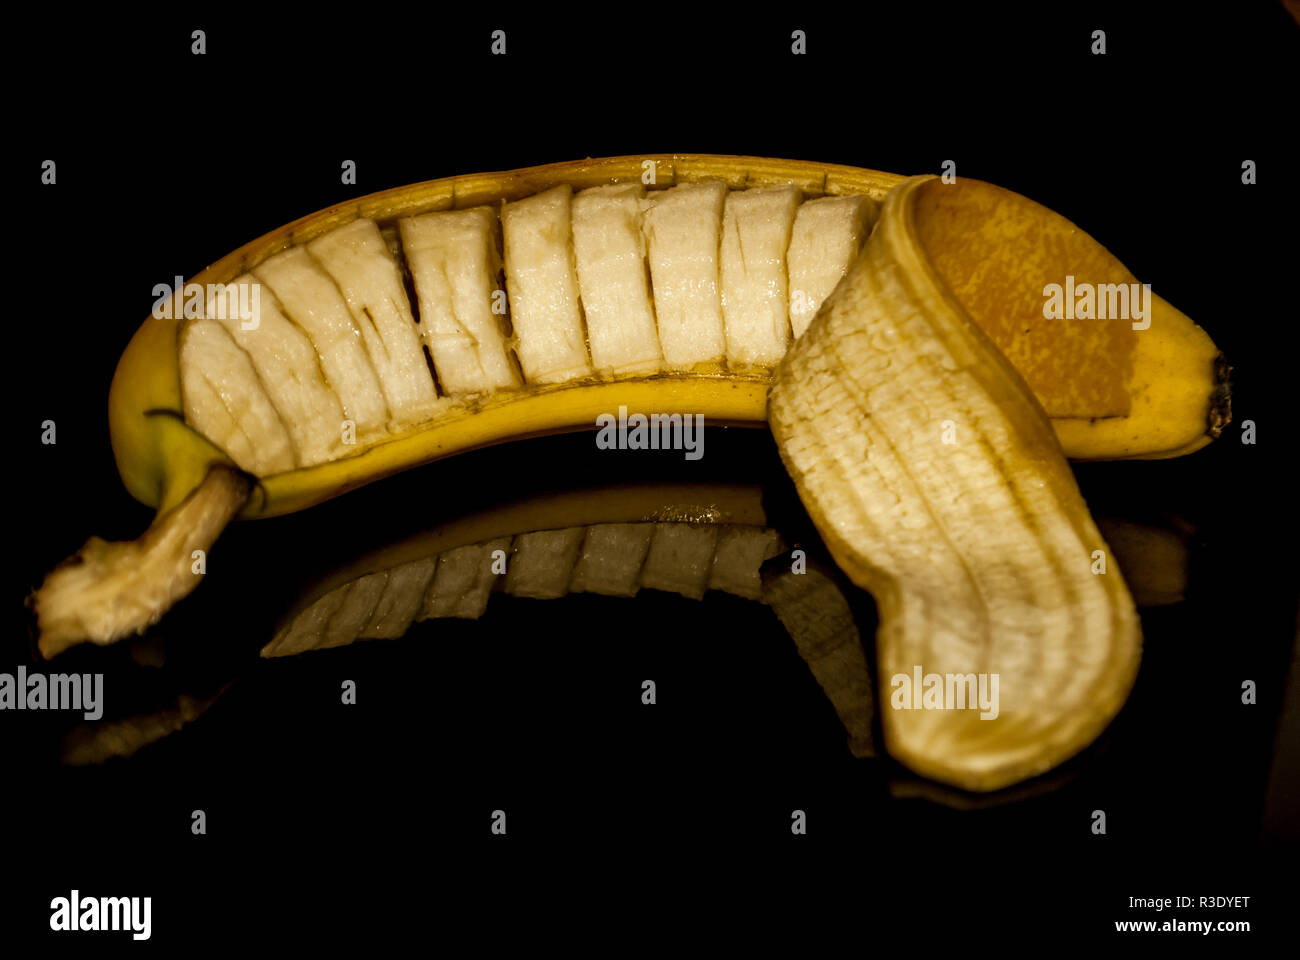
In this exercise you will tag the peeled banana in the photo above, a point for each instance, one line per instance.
(436, 318)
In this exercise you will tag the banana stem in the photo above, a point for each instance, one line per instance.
(107, 591)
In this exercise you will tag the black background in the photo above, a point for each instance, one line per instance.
(630, 824)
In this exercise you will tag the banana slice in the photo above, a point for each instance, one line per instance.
(307, 631)
(359, 260)
(755, 292)
(545, 306)
(827, 235)
(285, 361)
(455, 266)
(683, 229)
(227, 403)
(610, 253)
(311, 299)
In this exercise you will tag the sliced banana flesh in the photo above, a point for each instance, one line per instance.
(545, 306)
(455, 266)
(226, 402)
(311, 299)
(683, 228)
(610, 252)
(358, 259)
(826, 238)
(613, 282)
(284, 360)
(755, 285)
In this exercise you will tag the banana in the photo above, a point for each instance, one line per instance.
(548, 333)
(934, 477)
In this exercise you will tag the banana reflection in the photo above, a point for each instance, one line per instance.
(686, 539)
(613, 542)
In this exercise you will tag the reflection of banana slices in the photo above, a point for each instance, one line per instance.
(691, 550)
(686, 539)
(614, 559)
(610, 541)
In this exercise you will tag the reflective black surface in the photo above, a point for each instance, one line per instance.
(325, 818)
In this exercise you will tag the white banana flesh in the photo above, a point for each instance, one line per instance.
(756, 227)
(226, 402)
(615, 282)
(311, 299)
(545, 306)
(827, 236)
(610, 252)
(285, 362)
(359, 260)
(455, 265)
(683, 228)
